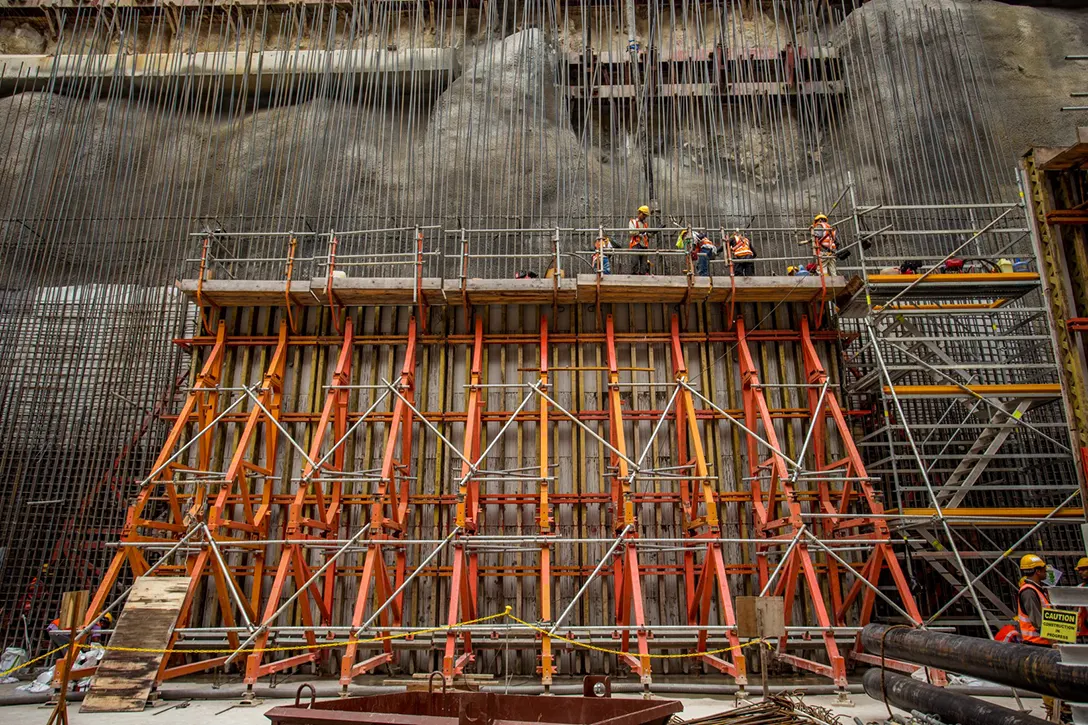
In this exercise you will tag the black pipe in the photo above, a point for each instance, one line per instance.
(909, 694)
(1036, 669)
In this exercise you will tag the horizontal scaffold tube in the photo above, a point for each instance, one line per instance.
(909, 694)
(1036, 669)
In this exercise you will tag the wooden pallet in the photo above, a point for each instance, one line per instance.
(124, 679)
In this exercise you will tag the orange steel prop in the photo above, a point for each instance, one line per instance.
(324, 522)
(465, 576)
(627, 574)
(843, 522)
(387, 517)
(700, 504)
(236, 491)
(778, 517)
(547, 666)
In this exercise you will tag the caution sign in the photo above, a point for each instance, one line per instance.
(1060, 625)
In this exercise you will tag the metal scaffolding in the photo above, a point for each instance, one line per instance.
(969, 423)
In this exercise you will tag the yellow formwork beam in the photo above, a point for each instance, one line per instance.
(1037, 390)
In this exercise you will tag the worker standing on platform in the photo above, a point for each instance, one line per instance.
(740, 248)
(1031, 600)
(602, 245)
(640, 240)
(824, 240)
(1082, 622)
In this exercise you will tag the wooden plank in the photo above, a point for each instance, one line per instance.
(510, 291)
(377, 290)
(614, 288)
(1073, 157)
(72, 607)
(248, 293)
(124, 679)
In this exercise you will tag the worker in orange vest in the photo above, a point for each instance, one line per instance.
(740, 249)
(1082, 623)
(702, 250)
(640, 240)
(1031, 600)
(58, 636)
(824, 240)
(602, 245)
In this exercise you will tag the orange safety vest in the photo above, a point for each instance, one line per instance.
(639, 239)
(1028, 632)
(742, 247)
(824, 236)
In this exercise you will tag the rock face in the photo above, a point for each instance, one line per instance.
(960, 86)
(942, 97)
(19, 38)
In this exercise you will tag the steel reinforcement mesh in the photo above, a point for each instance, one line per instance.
(457, 119)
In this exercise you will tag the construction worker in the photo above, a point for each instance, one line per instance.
(1031, 600)
(640, 240)
(58, 636)
(740, 248)
(702, 249)
(1082, 620)
(824, 240)
(602, 263)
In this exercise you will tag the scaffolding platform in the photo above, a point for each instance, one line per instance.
(996, 287)
(986, 290)
(585, 288)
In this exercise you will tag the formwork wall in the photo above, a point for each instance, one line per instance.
(509, 572)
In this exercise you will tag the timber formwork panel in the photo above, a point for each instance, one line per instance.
(388, 473)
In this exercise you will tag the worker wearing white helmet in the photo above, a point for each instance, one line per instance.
(640, 239)
(1031, 600)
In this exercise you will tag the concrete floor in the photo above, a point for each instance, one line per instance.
(217, 711)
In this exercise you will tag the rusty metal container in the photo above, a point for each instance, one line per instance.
(474, 708)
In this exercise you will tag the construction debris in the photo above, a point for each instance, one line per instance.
(785, 709)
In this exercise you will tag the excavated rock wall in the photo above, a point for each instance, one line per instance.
(941, 97)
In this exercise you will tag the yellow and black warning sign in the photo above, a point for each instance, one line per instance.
(1060, 625)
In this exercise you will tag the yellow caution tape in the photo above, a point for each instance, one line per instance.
(595, 648)
(28, 663)
(399, 635)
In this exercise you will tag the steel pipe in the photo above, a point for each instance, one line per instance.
(909, 694)
(1036, 669)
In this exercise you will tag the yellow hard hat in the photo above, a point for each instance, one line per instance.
(820, 218)
(791, 269)
(1083, 563)
(108, 617)
(644, 209)
(1029, 562)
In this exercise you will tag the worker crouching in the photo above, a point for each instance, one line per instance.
(602, 263)
(702, 250)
